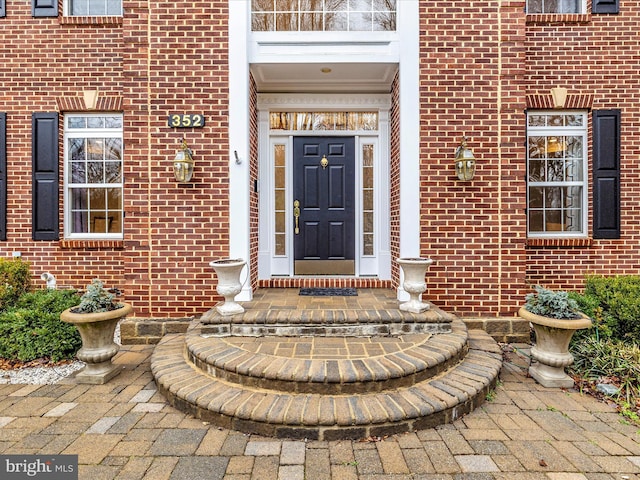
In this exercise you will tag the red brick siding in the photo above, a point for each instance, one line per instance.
(477, 79)
(159, 58)
(596, 58)
(394, 178)
(253, 175)
(471, 84)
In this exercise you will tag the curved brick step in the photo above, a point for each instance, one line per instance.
(428, 403)
(326, 321)
(423, 358)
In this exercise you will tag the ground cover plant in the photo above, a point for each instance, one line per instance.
(30, 326)
(609, 353)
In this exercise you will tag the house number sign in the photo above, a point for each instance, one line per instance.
(186, 120)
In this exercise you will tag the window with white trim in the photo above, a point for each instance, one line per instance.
(556, 6)
(93, 8)
(556, 174)
(93, 175)
(323, 15)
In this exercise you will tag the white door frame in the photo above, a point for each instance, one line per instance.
(269, 264)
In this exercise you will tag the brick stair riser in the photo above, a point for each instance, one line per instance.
(286, 415)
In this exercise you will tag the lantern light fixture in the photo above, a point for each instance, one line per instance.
(465, 161)
(183, 163)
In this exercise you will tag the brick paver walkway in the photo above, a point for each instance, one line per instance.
(126, 430)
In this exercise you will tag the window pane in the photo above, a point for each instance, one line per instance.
(537, 171)
(311, 22)
(286, 22)
(113, 122)
(94, 157)
(536, 197)
(95, 149)
(95, 7)
(556, 172)
(95, 122)
(77, 122)
(262, 5)
(554, 6)
(330, 15)
(323, 121)
(360, 22)
(78, 173)
(95, 172)
(112, 149)
(79, 7)
(384, 21)
(112, 172)
(114, 199)
(574, 120)
(262, 22)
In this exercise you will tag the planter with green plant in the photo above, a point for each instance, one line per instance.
(96, 318)
(555, 318)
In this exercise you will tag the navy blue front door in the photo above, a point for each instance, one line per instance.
(324, 201)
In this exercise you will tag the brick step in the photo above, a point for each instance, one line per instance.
(431, 402)
(324, 318)
(359, 366)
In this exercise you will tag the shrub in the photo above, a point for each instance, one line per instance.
(614, 303)
(551, 303)
(97, 299)
(611, 360)
(32, 329)
(15, 280)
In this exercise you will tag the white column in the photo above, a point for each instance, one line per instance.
(409, 29)
(239, 185)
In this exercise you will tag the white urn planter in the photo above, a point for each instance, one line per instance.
(551, 350)
(229, 285)
(98, 347)
(414, 271)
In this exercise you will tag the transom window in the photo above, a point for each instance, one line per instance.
(323, 15)
(85, 8)
(555, 6)
(93, 175)
(556, 173)
(317, 121)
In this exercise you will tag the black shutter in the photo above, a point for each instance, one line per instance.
(605, 6)
(3, 176)
(3, 8)
(45, 176)
(44, 8)
(606, 174)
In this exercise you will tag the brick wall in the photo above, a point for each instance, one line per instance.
(482, 64)
(594, 57)
(394, 178)
(471, 84)
(160, 58)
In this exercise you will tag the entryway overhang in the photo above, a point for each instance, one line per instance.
(323, 77)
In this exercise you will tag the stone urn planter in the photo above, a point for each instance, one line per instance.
(553, 335)
(414, 270)
(229, 285)
(97, 329)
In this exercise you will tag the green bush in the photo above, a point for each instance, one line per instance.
(32, 329)
(609, 359)
(15, 280)
(614, 304)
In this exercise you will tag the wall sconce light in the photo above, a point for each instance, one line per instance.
(183, 163)
(465, 161)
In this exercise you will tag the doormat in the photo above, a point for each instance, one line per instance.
(328, 292)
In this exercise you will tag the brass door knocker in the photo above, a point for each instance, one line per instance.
(324, 162)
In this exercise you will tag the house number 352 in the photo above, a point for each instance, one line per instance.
(178, 120)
